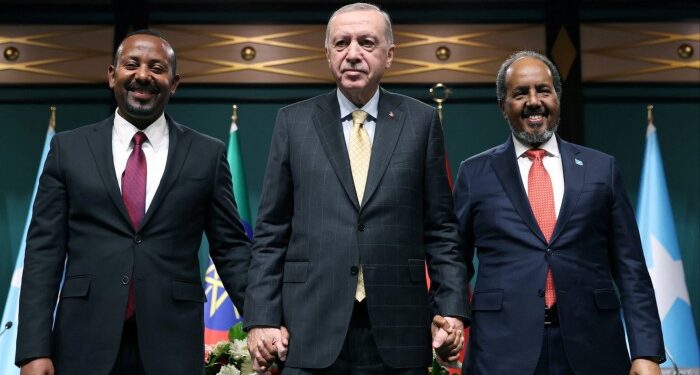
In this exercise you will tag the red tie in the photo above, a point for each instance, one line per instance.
(134, 196)
(541, 197)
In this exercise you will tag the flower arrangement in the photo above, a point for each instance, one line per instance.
(229, 357)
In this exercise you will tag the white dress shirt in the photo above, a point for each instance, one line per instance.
(551, 162)
(346, 109)
(155, 149)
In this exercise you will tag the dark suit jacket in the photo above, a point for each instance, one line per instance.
(80, 219)
(595, 247)
(312, 233)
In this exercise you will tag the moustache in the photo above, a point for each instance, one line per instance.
(542, 111)
(134, 86)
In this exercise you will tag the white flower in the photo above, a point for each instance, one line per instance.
(239, 350)
(229, 370)
(220, 347)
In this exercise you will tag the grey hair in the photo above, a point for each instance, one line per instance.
(172, 61)
(388, 33)
(501, 77)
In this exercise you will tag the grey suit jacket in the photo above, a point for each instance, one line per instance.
(80, 221)
(312, 234)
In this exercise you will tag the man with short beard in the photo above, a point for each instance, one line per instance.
(555, 235)
(121, 208)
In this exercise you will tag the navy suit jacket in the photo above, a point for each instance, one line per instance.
(80, 225)
(595, 248)
(312, 234)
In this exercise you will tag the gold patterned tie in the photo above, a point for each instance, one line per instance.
(359, 151)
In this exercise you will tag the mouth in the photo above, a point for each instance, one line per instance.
(534, 118)
(141, 92)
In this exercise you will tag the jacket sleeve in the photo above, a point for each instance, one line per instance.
(272, 233)
(44, 260)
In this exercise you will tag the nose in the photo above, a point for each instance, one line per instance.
(354, 52)
(533, 100)
(142, 73)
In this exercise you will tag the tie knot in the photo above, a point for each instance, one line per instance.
(139, 138)
(358, 117)
(535, 154)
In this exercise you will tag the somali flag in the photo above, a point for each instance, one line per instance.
(9, 317)
(663, 258)
(219, 312)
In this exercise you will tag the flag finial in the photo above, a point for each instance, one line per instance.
(52, 118)
(234, 114)
(650, 119)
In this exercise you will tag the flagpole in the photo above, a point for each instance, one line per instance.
(10, 313)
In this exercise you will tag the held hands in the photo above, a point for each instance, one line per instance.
(641, 366)
(39, 366)
(266, 345)
(448, 338)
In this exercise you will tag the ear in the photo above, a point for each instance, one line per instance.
(111, 73)
(176, 82)
(390, 56)
(501, 106)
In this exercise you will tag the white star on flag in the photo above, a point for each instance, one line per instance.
(668, 278)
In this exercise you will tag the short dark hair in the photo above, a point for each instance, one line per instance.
(501, 77)
(172, 61)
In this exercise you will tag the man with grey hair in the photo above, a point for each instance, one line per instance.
(555, 237)
(354, 204)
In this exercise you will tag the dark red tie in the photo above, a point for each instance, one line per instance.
(541, 197)
(134, 196)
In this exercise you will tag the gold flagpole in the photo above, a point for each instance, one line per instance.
(440, 92)
(52, 118)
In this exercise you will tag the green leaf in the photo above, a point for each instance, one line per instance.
(236, 332)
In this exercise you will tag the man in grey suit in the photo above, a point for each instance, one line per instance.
(355, 203)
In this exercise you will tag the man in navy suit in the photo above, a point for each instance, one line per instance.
(555, 237)
(121, 208)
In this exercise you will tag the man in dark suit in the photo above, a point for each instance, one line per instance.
(121, 208)
(555, 236)
(355, 202)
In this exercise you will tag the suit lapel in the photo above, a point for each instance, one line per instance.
(574, 172)
(100, 143)
(505, 165)
(178, 148)
(390, 121)
(328, 127)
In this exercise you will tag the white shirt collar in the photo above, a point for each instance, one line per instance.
(551, 146)
(346, 106)
(156, 131)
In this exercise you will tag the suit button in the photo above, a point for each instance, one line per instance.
(549, 252)
(540, 292)
(138, 239)
(125, 279)
(354, 270)
(361, 227)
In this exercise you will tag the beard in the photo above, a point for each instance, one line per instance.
(534, 139)
(141, 109)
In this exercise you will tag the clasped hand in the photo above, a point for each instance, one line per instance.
(448, 338)
(267, 345)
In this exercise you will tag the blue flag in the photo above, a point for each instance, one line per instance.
(663, 258)
(219, 312)
(9, 316)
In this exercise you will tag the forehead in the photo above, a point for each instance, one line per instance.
(528, 69)
(144, 44)
(357, 22)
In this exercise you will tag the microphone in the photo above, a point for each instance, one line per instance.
(670, 358)
(7, 326)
